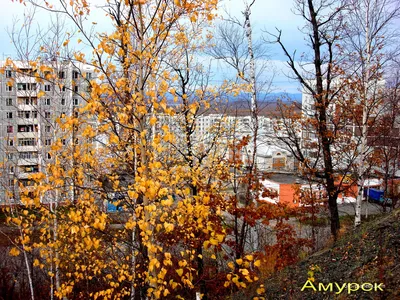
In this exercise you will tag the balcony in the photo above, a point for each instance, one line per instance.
(27, 93)
(28, 161)
(31, 134)
(24, 107)
(27, 121)
(27, 148)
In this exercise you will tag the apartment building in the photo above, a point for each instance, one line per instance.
(272, 156)
(32, 97)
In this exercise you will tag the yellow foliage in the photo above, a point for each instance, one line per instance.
(249, 257)
(168, 227)
(14, 251)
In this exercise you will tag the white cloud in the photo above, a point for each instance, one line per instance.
(266, 15)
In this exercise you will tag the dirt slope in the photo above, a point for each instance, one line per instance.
(370, 254)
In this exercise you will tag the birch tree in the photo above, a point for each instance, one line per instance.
(233, 47)
(172, 198)
(370, 42)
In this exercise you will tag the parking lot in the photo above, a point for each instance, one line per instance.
(366, 209)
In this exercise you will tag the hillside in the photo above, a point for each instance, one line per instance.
(370, 254)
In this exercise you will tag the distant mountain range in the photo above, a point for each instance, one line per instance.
(270, 97)
(285, 97)
(240, 105)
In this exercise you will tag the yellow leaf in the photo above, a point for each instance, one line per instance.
(14, 251)
(130, 224)
(245, 272)
(220, 237)
(166, 292)
(168, 227)
(180, 272)
(257, 263)
(260, 290)
(41, 94)
(249, 257)
(239, 261)
(153, 121)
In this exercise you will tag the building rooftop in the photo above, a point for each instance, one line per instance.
(286, 178)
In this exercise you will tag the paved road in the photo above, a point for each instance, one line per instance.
(366, 209)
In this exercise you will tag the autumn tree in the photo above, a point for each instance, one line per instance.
(234, 49)
(36, 109)
(323, 23)
(171, 193)
(369, 44)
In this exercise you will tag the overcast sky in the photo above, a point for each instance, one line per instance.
(266, 15)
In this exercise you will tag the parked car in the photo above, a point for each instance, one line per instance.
(377, 196)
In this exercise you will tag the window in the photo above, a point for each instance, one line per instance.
(47, 88)
(26, 86)
(48, 155)
(9, 101)
(47, 128)
(61, 75)
(47, 115)
(88, 75)
(63, 101)
(9, 88)
(26, 182)
(26, 142)
(25, 128)
(9, 115)
(28, 155)
(10, 182)
(76, 89)
(8, 74)
(11, 142)
(47, 101)
(63, 141)
(47, 142)
(26, 114)
(30, 169)
(10, 129)
(27, 101)
(11, 170)
(10, 156)
(75, 75)
(76, 102)
(64, 88)
(76, 114)
(22, 87)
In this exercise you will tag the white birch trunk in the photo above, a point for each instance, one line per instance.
(133, 262)
(28, 270)
(363, 146)
(252, 81)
